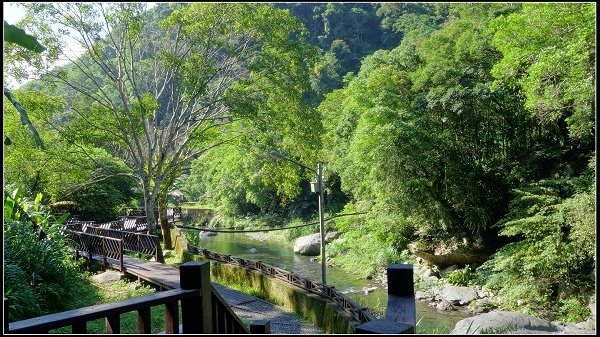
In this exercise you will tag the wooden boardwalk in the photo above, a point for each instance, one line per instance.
(283, 321)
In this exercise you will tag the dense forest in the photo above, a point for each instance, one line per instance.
(465, 127)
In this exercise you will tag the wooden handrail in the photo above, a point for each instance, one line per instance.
(133, 242)
(78, 317)
(102, 246)
(203, 310)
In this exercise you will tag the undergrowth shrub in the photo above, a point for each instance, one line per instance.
(40, 274)
(461, 277)
(551, 264)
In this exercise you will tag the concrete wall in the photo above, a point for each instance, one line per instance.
(314, 308)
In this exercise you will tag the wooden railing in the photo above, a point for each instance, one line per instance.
(102, 247)
(349, 307)
(133, 242)
(203, 310)
(127, 223)
(225, 321)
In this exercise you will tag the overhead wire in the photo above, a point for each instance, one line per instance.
(233, 230)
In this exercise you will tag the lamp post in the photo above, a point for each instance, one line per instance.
(317, 187)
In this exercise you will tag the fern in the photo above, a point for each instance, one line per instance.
(552, 260)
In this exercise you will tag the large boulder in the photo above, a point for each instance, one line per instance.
(460, 295)
(443, 258)
(503, 322)
(309, 245)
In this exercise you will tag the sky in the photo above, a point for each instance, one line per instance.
(12, 13)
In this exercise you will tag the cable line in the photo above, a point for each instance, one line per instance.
(233, 230)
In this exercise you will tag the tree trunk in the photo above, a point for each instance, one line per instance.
(164, 222)
(149, 201)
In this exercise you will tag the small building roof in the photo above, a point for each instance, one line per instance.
(176, 193)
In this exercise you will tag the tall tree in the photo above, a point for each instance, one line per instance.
(151, 84)
(549, 50)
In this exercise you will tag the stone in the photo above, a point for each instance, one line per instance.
(481, 306)
(367, 290)
(444, 306)
(590, 324)
(331, 236)
(108, 276)
(309, 245)
(503, 322)
(426, 272)
(252, 250)
(460, 295)
(447, 270)
(206, 233)
(420, 295)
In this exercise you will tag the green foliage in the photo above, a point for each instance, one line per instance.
(371, 232)
(269, 111)
(573, 310)
(92, 178)
(40, 274)
(17, 35)
(427, 135)
(549, 50)
(552, 260)
(460, 277)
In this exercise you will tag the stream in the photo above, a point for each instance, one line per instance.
(281, 255)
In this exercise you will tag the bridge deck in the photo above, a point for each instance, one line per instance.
(283, 321)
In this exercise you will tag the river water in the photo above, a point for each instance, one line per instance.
(281, 255)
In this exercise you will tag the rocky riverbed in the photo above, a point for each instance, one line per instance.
(478, 303)
(432, 289)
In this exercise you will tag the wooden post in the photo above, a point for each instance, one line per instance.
(196, 275)
(79, 328)
(121, 255)
(261, 326)
(401, 295)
